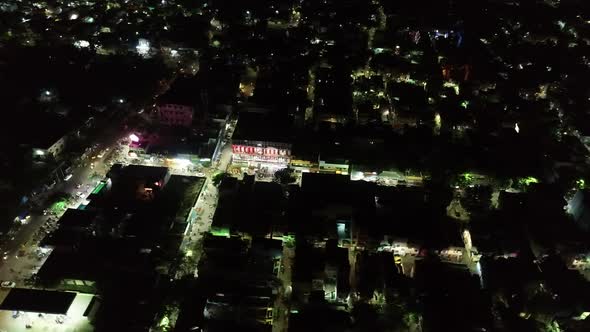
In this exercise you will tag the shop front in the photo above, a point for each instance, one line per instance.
(260, 157)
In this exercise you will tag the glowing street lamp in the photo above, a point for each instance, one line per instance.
(134, 138)
(143, 47)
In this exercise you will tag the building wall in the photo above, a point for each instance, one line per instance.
(57, 148)
(265, 152)
(175, 115)
(54, 150)
(326, 167)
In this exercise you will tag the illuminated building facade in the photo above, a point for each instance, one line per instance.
(253, 153)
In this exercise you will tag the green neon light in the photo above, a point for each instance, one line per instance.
(224, 232)
(467, 177)
(99, 187)
(528, 181)
(58, 206)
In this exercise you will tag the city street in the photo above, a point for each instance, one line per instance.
(18, 269)
(24, 257)
(205, 209)
(281, 313)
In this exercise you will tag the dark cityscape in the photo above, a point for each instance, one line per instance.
(295, 165)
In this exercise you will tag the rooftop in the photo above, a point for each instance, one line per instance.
(259, 126)
(36, 300)
(184, 91)
(47, 128)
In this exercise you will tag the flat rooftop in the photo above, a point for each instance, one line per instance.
(184, 91)
(265, 127)
(41, 133)
(180, 194)
(36, 300)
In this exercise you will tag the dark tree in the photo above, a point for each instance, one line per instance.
(477, 199)
(217, 178)
(284, 176)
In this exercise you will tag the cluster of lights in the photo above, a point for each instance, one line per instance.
(143, 47)
(81, 44)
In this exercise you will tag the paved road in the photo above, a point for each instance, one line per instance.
(16, 268)
(206, 205)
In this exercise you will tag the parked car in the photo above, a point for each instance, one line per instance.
(7, 284)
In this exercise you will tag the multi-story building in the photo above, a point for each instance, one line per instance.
(258, 143)
(48, 147)
(175, 115)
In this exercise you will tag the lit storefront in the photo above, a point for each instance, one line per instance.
(301, 165)
(334, 167)
(261, 154)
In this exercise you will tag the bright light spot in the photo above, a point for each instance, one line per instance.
(189, 253)
(143, 47)
(182, 162)
(467, 239)
(516, 128)
(73, 16)
(44, 250)
(81, 43)
(528, 180)
(47, 93)
(173, 53)
(134, 138)
(89, 20)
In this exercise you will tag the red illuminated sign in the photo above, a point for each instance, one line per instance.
(256, 150)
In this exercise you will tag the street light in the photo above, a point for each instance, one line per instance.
(143, 47)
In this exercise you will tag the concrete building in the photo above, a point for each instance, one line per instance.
(175, 115)
(260, 142)
(183, 105)
(47, 136)
(579, 208)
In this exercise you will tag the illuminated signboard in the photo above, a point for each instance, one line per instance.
(262, 151)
